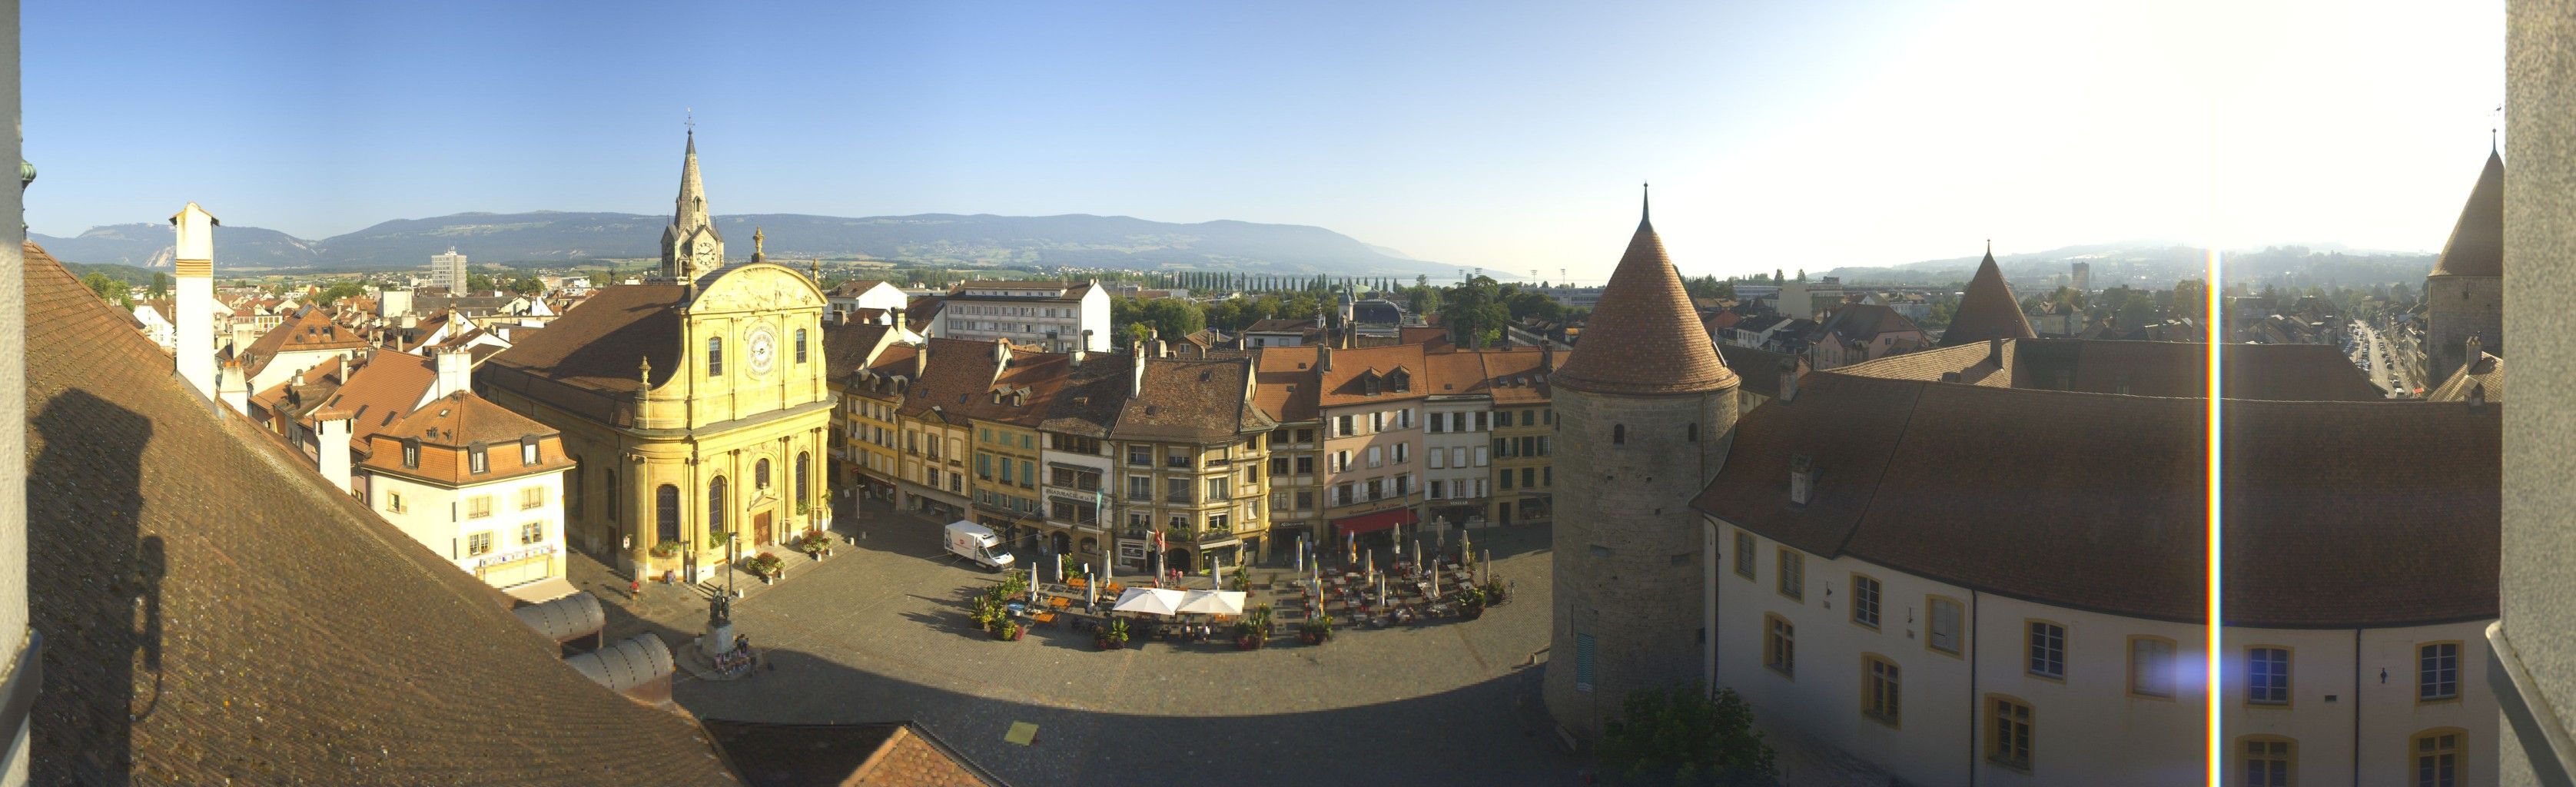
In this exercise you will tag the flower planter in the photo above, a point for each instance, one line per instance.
(1109, 644)
(1249, 642)
(1313, 637)
(1470, 613)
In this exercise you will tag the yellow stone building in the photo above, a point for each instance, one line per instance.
(695, 406)
(1190, 449)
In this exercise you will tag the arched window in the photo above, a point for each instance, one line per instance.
(715, 506)
(667, 501)
(715, 356)
(1694, 433)
(802, 460)
(800, 345)
(760, 474)
(1618, 434)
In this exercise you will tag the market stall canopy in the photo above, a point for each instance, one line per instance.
(1152, 601)
(1213, 602)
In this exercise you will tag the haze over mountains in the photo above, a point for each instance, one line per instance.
(951, 240)
(2158, 264)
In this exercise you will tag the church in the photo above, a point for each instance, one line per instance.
(694, 403)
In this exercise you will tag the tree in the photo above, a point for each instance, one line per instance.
(477, 282)
(109, 288)
(2191, 299)
(528, 285)
(160, 286)
(1680, 735)
(339, 290)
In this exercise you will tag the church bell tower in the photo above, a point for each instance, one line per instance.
(691, 247)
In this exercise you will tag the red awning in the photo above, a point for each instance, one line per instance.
(1381, 520)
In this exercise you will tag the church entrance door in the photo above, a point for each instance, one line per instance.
(760, 528)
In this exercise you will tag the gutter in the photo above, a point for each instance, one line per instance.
(2542, 732)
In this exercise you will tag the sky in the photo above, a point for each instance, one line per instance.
(1510, 136)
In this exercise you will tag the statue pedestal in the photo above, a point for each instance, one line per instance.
(719, 639)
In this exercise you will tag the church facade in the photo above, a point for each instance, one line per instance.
(695, 405)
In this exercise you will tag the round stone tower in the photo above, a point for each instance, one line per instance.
(2464, 295)
(1644, 413)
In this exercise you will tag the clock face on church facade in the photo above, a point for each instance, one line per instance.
(764, 350)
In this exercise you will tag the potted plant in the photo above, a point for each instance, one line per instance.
(767, 565)
(988, 612)
(1254, 631)
(1471, 603)
(1009, 630)
(1315, 630)
(666, 550)
(1112, 636)
(813, 543)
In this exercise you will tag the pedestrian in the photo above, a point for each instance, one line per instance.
(635, 588)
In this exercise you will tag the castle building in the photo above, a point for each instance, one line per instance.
(694, 406)
(2464, 295)
(1645, 410)
(1910, 567)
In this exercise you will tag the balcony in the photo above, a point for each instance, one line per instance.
(1182, 498)
(1176, 461)
(1140, 497)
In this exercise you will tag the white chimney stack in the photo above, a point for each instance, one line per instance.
(234, 391)
(331, 448)
(194, 272)
(455, 371)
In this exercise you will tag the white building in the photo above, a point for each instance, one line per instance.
(1056, 316)
(477, 484)
(872, 294)
(448, 270)
(1996, 580)
(157, 326)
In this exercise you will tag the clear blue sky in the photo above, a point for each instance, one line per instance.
(1507, 135)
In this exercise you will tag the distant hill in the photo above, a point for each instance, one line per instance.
(2157, 265)
(963, 241)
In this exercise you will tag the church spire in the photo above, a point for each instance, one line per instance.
(691, 207)
(690, 245)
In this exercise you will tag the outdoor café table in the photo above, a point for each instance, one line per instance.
(1060, 602)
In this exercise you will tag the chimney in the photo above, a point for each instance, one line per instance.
(455, 371)
(194, 272)
(1995, 351)
(898, 320)
(1788, 380)
(1136, 374)
(1080, 350)
(1002, 351)
(1162, 349)
(233, 390)
(1546, 357)
(2469, 357)
(920, 358)
(331, 447)
(1802, 479)
(1324, 358)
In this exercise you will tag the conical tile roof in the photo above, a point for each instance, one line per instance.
(2476, 247)
(1988, 310)
(1644, 338)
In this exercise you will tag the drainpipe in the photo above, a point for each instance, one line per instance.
(2356, 707)
(1976, 704)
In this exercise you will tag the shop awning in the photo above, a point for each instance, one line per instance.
(1381, 520)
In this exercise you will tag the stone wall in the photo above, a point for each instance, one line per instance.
(1627, 545)
(2456, 308)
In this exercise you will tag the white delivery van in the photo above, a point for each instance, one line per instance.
(977, 543)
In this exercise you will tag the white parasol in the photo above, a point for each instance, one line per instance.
(1151, 601)
(1212, 602)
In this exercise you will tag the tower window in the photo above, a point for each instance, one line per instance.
(1618, 434)
(715, 356)
(1694, 433)
(800, 345)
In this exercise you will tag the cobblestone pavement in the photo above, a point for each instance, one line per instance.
(880, 632)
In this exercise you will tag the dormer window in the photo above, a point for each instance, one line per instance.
(1368, 384)
(477, 458)
(528, 451)
(1399, 381)
(411, 453)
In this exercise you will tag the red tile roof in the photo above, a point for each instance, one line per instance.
(1645, 339)
(1287, 381)
(1987, 310)
(291, 634)
(2476, 247)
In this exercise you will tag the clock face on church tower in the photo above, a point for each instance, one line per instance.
(764, 350)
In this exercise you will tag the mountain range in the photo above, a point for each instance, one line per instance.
(2158, 264)
(935, 239)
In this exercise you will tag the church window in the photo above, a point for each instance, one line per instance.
(800, 345)
(716, 505)
(667, 505)
(760, 474)
(715, 356)
(612, 495)
(802, 460)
